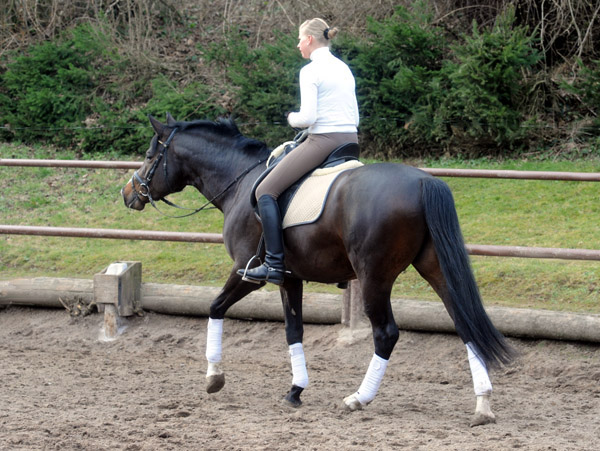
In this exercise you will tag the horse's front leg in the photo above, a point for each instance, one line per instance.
(291, 295)
(215, 378)
(234, 290)
(483, 389)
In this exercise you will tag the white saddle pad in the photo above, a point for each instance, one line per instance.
(307, 204)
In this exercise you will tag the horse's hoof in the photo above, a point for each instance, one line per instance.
(215, 383)
(483, 412)
(293, 403)
(292, 399)
(351, 404)
(479, 419)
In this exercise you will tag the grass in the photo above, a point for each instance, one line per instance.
(505, 212)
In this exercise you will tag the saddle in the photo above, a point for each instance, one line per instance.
(343, 157)
(340, 155)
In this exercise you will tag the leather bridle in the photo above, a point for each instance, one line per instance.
(144, 184)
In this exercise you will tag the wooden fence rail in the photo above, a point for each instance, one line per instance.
(124, 234)
(438, 172)
(351, 314)
(473, 249)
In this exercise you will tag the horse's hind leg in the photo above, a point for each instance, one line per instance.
(428, 267)
(385, 335)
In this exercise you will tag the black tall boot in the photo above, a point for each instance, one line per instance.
(273, 269)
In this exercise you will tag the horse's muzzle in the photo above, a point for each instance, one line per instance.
(131, 199)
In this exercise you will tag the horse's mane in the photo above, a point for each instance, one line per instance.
(225, 127)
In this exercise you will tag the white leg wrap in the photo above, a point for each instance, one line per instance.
(300, 375)
(481, 380)
(214, 333)
(370, 384)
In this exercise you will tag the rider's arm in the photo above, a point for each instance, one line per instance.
(308, 101)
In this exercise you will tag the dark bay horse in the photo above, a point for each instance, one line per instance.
(378, 220)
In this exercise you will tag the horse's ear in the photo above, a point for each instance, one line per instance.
(170, 120)
(156, 125)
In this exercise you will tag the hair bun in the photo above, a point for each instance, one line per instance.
(319, 29)
(331, 32)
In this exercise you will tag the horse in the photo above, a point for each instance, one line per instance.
(378, 219)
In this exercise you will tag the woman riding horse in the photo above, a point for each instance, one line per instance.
(330, 111)
(379, 219)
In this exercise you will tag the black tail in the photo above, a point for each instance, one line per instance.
(470, 319)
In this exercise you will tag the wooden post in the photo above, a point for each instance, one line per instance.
(112, 322)
(117, 293)
(353, 315)
(353, 311)
(346, 305)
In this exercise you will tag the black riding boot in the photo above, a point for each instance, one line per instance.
(273, 269)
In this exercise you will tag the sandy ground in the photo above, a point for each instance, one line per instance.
(64, 389)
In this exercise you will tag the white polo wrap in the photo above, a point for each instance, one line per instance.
(300, 375)
(481, 379)
(214, 333)
(370, 384)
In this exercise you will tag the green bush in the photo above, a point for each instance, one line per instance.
(394, 67)
(125, 130)
(115, 128)
(264, 82)
(50, 89)
(480, 96)
(586, 88)
(419, 92)
(72, 93)
(193, 101)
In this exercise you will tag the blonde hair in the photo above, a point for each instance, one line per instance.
(319, 29)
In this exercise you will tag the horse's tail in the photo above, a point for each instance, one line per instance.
(470, 319)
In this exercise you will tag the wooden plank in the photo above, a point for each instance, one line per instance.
(318, 308)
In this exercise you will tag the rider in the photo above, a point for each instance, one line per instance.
(330, 111)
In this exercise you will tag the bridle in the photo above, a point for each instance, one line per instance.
(144, 184)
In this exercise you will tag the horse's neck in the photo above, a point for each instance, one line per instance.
(221, 179)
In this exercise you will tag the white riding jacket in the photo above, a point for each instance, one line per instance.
(327, 96)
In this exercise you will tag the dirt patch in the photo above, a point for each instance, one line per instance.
(64, 389)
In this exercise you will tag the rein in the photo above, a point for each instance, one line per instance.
(145, 184)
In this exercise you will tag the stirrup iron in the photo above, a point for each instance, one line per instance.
(244, 278)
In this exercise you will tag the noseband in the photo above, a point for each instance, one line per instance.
(144, 185)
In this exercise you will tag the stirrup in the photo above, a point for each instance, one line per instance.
(245, 270)
(270, 275)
